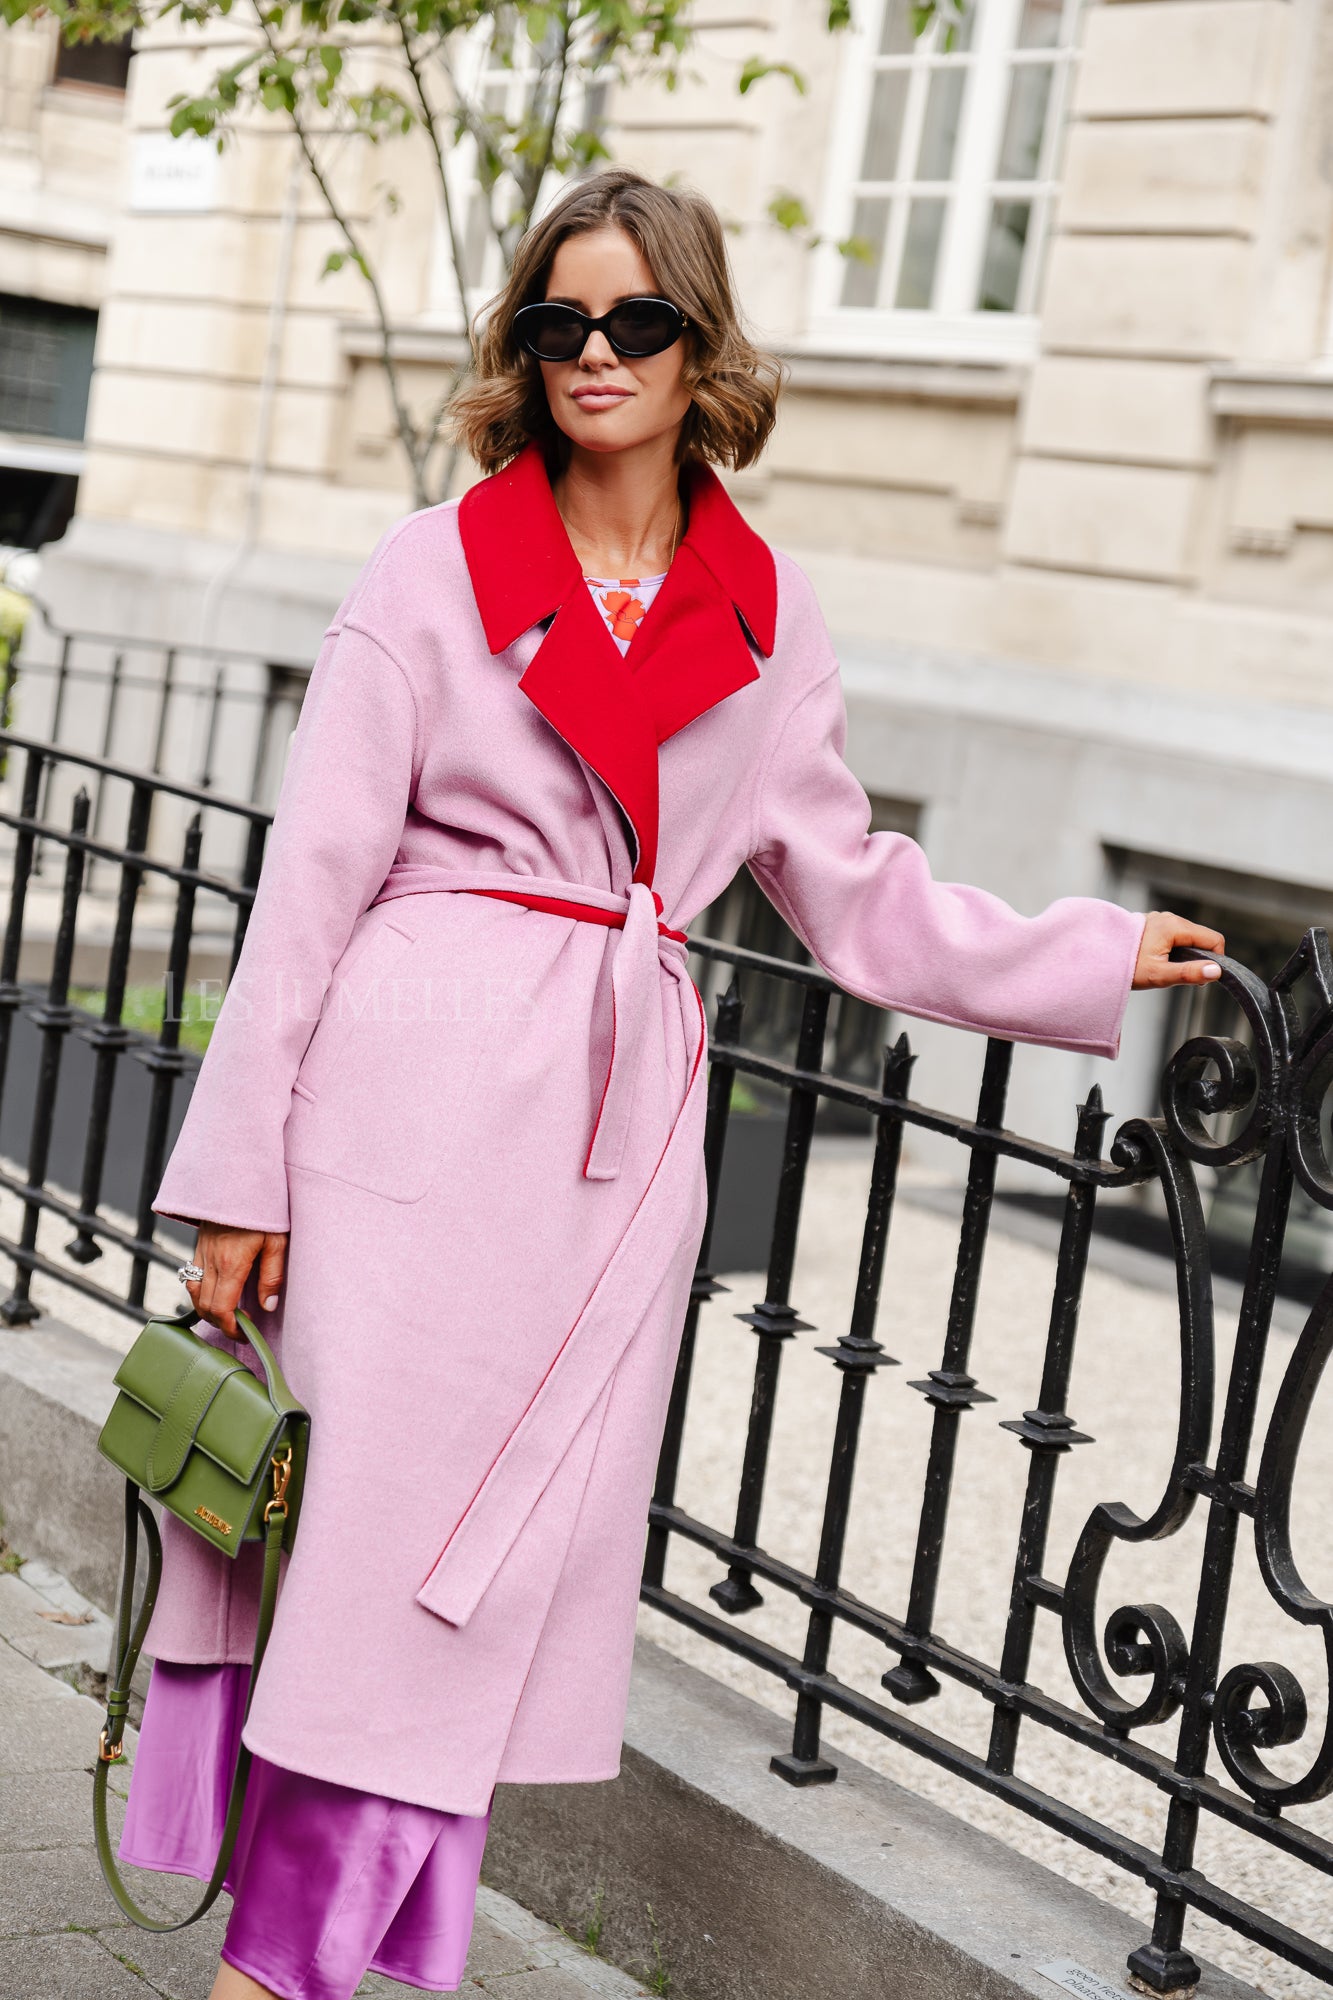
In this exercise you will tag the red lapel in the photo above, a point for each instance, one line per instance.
(689, 653)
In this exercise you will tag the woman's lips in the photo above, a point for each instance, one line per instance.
(600, 399)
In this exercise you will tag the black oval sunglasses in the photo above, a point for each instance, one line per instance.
(635, 328)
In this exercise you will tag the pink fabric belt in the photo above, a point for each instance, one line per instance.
(634, 973)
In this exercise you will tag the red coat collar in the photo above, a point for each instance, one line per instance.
(689, 654)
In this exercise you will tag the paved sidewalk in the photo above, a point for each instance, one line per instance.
(61, 1936)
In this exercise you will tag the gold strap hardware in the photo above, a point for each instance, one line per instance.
(282, 1473)
(109, 1753)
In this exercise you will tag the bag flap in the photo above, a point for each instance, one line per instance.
(240, 1427)
(202, 1396)
(152, 1369)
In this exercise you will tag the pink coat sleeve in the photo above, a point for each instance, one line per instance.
(337, 826)
(869, 909)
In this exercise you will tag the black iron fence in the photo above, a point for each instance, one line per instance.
(182, 712)
(75, 969)
(1245, 1752)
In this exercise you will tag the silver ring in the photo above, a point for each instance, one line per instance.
(188, 1273)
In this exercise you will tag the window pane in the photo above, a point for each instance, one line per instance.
(939, 132)
(1025, 121)
(885, 130)
(29, 375)
(860, 283)
(46, 365)
(1040, 25)
(1004, 255)
(1039, 239)
(895, 35)
(104, 63)
(916, 279)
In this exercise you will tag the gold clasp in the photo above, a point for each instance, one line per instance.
(282, 1473)
(109, 1753)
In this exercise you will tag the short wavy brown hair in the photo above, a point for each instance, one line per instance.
(500, 404)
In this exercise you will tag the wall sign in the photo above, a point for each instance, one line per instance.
(173, 176)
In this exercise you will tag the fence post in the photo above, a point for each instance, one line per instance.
(949, 1388)
(54, 1017)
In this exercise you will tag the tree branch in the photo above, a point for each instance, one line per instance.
(474, 124)
(557, 106)
(414, 69)
(407, 431)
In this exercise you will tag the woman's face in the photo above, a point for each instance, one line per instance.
(604, 401)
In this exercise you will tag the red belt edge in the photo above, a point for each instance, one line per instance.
(585, 912)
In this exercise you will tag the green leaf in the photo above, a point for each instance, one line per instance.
(758, 67)
(788, 210)
(858, 248)
(196, 114)
(336, 259)
(839, 15)
(583, 148)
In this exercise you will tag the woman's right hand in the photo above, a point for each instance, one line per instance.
(225, 1255)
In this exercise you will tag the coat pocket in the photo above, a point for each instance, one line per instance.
(361, 1109)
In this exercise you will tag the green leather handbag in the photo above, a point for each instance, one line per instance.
(225, 1452)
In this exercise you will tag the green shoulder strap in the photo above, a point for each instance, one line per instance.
(130, 1634)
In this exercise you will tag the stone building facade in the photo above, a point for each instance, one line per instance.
(1057, 458)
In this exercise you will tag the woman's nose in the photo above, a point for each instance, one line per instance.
(597, 351)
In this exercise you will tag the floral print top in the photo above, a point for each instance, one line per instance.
(623, 601)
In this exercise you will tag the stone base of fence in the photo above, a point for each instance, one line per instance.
(61, 1499)
(742, 1888)
(711, 1879)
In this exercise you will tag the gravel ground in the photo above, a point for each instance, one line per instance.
(1125, 1391)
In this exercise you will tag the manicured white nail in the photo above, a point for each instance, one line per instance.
(270, 1302)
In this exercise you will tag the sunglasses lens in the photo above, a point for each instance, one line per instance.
(552, 333)
(644, 326)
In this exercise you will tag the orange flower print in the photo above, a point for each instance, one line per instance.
(623, 609)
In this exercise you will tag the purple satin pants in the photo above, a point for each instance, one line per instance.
(327, 1883)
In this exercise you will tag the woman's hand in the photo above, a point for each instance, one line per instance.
(1156, 967)
(225, 1255)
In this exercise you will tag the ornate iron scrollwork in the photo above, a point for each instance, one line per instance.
(1144, 1639)
(1240, 1730)
(1271, 1089)
(1243, 1080)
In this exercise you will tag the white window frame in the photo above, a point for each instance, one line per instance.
(953, 329)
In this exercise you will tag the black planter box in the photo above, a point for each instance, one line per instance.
(748, 1191)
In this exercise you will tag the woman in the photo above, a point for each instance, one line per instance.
(448, 1132)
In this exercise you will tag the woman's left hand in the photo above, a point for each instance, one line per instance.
(1161, 933)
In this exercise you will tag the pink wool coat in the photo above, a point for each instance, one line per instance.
(481, 1119)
